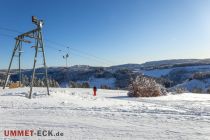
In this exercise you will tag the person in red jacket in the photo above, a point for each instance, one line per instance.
(94, 91)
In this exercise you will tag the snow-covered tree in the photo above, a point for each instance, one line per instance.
(25, 80)
(145, 87)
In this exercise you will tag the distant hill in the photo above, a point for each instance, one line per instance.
(162, 64)
(174, 71)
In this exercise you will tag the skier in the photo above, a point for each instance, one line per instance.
(94, 90)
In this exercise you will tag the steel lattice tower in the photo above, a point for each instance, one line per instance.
(35, 34)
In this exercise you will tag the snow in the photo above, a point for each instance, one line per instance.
(195, 84)
(157, 72)
(192, 84)
(109, 115)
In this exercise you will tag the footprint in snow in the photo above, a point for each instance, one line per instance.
(64, 102)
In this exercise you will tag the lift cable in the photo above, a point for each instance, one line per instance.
(63, 46)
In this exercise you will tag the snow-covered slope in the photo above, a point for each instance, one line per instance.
(195, 84)
(157, 72)
(109, 115)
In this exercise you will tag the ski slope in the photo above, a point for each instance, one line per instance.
(109, 115)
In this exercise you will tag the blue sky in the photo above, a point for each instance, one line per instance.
(109, 32)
